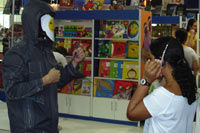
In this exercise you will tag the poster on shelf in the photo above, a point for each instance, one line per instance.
(146, 37)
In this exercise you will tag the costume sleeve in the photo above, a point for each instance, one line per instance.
(15, 81)
(69, 73)
(156, 102)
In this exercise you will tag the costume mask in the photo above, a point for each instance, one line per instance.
(47, 25)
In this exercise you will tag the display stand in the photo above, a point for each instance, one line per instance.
(99, 107)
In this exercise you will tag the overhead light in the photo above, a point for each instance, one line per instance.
(154, 25)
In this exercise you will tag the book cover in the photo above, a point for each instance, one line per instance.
(104, 88)
(75, 43)
(68, 88)
(104, 68)
(120, 68)
(86, 87)
(124, 89)
(77, 85)
(68, 46)
(104, 48)
(113, 69)
(118, 49)
(132, 50)
(130, 70)
(86, 46)
(87, 68)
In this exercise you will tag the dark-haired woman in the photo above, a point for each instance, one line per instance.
(190, 54)
(169, 108)
(191, 34)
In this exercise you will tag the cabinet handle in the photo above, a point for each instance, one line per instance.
(111, 106)
(66, 101)
(115, 106)
(70, 102)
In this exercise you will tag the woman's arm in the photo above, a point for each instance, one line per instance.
(136, 109)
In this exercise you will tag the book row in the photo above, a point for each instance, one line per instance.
(118, 89)
(118, 49)
(118, 69)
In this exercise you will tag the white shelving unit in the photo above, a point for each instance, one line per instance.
(91, 107)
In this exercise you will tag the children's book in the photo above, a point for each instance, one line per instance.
(104, 68)
(118, 49)
(130, 70)
(120, 68)
(104, 88)
(113, 69)
(68, 88)
(68, 46)
(132, 49)
(87, 68)
(104, 48)
(86, 87)
(77, 85)
(86, 45)
(123, 89)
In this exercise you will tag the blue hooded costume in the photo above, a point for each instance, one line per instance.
(32, 107)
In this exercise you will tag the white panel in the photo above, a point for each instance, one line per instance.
(120, 109)
(79, 105)
(103, 108)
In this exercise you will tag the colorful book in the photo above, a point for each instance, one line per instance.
(132, 50)
(120, 68)
(86, 46)
(86, 87)
(104, 68)
(77, 85)
(118, 49)
(104, 48)
(104, 88)
(68, 88)
(124, 89)
(113, 69)
(87, 68)
(130, 70)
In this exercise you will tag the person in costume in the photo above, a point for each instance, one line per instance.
(31, 74)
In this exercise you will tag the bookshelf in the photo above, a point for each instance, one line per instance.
(103, 107)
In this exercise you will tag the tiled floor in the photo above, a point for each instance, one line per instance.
(69, 125)
(85, 126)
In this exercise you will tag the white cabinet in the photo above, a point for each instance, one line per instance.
(74, 104)
(120, 109)
(110, 108)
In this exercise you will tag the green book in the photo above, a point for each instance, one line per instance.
(113, 69)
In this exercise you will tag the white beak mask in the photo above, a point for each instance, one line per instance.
(47, 25)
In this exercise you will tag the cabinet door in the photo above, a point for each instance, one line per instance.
(103, 108)
(120, 109)
(63, 103)
(79, 105)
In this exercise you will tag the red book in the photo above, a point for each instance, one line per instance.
(104, 68)
(87, 68)
(118, 49)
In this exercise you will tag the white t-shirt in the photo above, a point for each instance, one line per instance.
(190, 55)
(60, 58)
(170, 113)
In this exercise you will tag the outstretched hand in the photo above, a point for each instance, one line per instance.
(78, 56)
(152, 70)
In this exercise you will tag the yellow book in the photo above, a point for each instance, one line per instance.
(130, 70)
